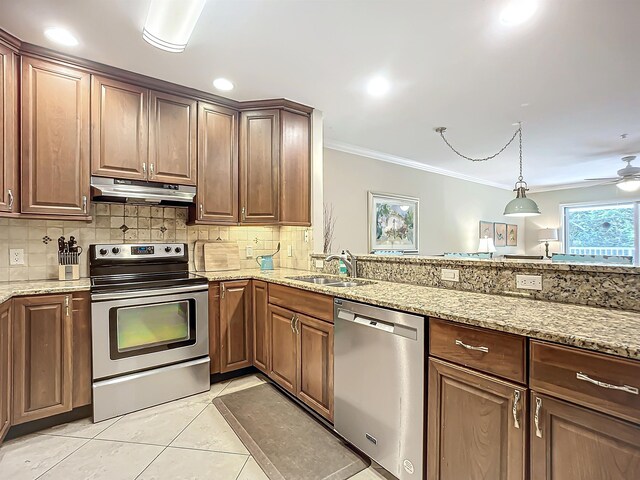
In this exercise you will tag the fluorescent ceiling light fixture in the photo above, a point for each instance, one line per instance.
(518, 11)
(378, 86)
(170, 23)
(223, 84)
(61, 36)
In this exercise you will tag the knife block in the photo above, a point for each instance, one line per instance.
(68, 272)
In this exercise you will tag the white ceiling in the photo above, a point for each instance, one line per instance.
(451, 63)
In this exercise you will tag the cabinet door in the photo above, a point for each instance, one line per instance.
(259, 158)
(235, 325)
(82, 379)
(315, 364)
(119, 129)
(260, 299)
(217, 196)
(214, 327)
(476, 426)
(574, 443)
(295, 169)
(55, 139)
(283, 346)
(8, 131)
(172, 139)
(42, 354)
(5, 368)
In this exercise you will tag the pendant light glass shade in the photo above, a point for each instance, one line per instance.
(521, 206)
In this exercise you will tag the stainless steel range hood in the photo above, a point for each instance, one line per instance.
(114, 190)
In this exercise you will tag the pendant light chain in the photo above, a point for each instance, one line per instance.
(520, 178)
(441, 131)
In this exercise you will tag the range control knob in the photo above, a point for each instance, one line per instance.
(167, 249)
(178, 249)
(103, 251)
(115, 250)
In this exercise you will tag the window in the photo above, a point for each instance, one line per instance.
(602, 229)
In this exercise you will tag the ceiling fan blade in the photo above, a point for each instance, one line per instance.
(602, 179)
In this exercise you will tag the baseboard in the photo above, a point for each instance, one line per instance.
(44, 423)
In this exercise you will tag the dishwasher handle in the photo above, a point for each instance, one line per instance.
(392, 328)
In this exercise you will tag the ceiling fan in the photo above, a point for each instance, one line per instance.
(628, 178)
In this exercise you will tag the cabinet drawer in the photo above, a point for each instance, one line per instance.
(302, 301)
(602, 382)
(501, 354)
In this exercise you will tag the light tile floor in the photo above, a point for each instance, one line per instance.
(185, 439)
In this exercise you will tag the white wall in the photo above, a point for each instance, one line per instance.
(549, 203)
(450, 209)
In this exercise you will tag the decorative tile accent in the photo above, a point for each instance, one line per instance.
(46, 239)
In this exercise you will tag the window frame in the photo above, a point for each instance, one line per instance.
(604, 203)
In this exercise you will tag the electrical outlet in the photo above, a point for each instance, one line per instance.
(289, 250)
(450, 275)
(249, 251)
(529, 282)
(16, 256)
(306, 236)
(319, 263)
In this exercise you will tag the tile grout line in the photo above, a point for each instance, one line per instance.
(243, 465)
(64, 458)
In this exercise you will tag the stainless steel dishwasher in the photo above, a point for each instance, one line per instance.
(379, 385)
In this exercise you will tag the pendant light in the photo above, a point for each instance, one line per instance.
(521, 206)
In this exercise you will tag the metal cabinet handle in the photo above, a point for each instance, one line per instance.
(222, 290)
(66, 305)
(244, 214)
(296, 325)
(201, 211)
(144, 167)
(471, 347)
(293, 317)
(10, 194)
(84, 203)
(516, 400)
(536, 417)
(624, 388)
(151, 170)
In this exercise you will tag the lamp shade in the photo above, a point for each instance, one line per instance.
(486, 245)
(521, 206)
(548, 235)
(629, 185)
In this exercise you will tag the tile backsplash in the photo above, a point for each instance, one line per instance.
(117, 223)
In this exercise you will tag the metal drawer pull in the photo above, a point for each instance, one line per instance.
(624, 388)
(10, 194)
(293, 318)
(296, 325)
(471, 347)
(536, 417)
(516, 400)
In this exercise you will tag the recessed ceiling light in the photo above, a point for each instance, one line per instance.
(61, 36)
(169, 24)
(223, 84)
(378, 86)
(518, 11)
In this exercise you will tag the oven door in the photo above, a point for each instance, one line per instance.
(134, 331)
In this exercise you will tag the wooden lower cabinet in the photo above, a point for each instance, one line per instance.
(477, 426)
(82, 375)
(235, 325)
(315, 364)
(5, 368)
(260, 314)
(569, 442)
(283, 346)
(214, 327)
(42, 354)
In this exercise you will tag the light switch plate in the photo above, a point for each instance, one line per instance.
(450, 275)
(529, 282)
(289, 250)
(249, 252)
(16, 256)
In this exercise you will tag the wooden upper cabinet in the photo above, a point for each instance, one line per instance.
(172, 139)
(260, 313)
(55, 138)
(8, 131)
(235, 325)
(6, 363)
(477, 427)
(119, 129)
(283, 347)
(569, 442)
(259, 166)
(217, 193)
(42, 355)
(295, 169)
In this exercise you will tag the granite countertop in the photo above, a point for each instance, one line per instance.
(605, 330)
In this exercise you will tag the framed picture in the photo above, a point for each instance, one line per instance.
(485, 230)
(393, 222)
(512, 235)
(500, 239)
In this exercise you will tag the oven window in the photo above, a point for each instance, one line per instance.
(150, 328)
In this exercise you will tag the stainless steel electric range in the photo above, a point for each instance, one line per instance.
(150, 329)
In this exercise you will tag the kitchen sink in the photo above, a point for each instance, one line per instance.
(330, 281)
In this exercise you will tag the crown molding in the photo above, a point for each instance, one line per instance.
(406, 162)
(567, 186)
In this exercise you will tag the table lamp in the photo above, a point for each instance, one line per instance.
(547, 235)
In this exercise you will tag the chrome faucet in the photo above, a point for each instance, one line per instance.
(349, 260)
